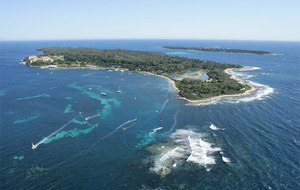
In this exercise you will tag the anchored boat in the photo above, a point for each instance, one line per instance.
(119, 91)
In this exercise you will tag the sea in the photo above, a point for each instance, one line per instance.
(145, 137)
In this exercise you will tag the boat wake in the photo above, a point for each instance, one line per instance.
(123, 124)
(125, 128)
(34, 146)
(92, 117)
(157, 112)
(163, 107)
(154, 130)
(175, 122)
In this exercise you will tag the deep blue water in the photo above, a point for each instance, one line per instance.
(239, 143)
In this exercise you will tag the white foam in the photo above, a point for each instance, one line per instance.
(54, 133)
(190, 147)
(165, 159)
(154, 130)
(129, 121)
(201, 151)
(213, 127)
(212, 102)
(297, 142)
(175, 122)
(249, 68)
(263, 91)
(163, 106)
(249, 76)
(225, 159)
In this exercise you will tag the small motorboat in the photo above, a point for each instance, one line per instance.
(33, 146)
(103, 93)
(119, 91)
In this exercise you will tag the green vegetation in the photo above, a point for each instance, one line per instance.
(219, 50)
(219, 82)
(198, 89)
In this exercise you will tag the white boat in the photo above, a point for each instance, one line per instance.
(159, 128)
(33, 146)
(103, 93)
(119, 91)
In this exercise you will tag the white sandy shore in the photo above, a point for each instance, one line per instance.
(206, 100)
(172, 82)
(247, 93)
(169, 79)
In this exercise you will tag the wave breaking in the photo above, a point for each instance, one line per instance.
(187, 146)
(258, 91)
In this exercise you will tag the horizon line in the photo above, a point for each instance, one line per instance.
(87, 39)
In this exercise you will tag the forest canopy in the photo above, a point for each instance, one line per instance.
(225, 50)
(219, 82)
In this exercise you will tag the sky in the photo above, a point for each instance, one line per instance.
(276, 20)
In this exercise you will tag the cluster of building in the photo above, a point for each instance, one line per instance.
(35, 58)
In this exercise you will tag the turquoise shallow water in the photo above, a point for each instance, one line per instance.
(246, 143)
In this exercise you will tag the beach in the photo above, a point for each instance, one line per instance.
(219, 142)
(172, 82)
(206, 100)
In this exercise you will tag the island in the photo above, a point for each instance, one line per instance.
(223, 50)
(219, 83)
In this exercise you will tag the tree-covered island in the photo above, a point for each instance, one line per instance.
(219, 83)
(224, 50)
